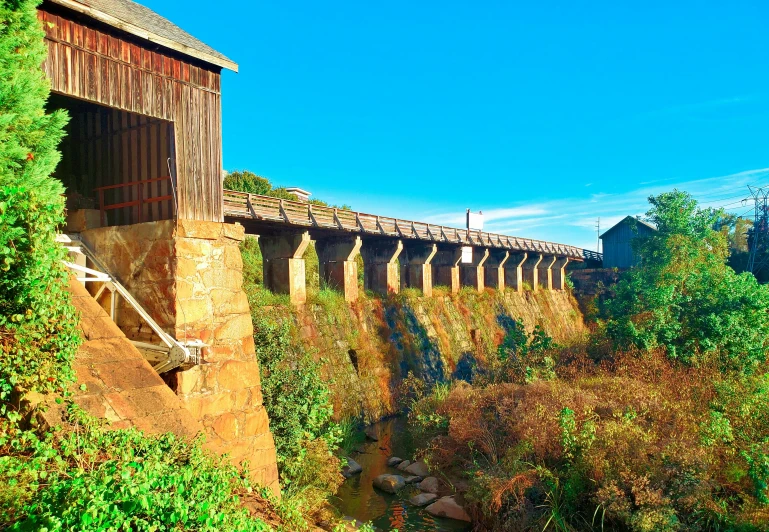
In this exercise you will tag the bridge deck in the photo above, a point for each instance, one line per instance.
(256, 207)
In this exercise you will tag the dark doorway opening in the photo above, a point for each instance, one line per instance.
(116, 162)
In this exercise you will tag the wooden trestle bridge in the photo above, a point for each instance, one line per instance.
(395, 252)
(302, 214)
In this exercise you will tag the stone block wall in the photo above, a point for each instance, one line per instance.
(188, 276)
(119, 385)
(368, 347)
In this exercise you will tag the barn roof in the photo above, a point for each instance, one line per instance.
(141, 21)
(625, 220)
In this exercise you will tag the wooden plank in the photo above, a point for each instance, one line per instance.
(92, 78)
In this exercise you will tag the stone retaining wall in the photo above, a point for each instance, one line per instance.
(188, 276)
(368, 347)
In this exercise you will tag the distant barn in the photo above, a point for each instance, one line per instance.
(617, 248)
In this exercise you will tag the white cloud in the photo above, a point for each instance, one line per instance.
(572, 220)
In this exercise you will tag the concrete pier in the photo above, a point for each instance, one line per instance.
(531, 270)
(446, 267)
(380, 265)
(472, 274)
(546, 272)
(559, 273)
(338, 268)
(514, 271)
(283, 264)
(495, 268)
(419, 269)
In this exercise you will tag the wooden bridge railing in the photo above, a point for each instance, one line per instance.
(245, 205)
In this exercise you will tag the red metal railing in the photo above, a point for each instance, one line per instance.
(139, 202)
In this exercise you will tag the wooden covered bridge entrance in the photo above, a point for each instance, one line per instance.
(142, 166)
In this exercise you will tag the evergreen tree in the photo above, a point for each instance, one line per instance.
(38, 334)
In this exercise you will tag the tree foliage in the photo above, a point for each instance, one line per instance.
(245, 181)
(37, 323)
(684, 298)
(93, 478)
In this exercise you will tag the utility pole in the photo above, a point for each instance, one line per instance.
(598, 235)
(758, 235)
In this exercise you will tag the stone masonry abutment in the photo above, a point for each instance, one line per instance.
(188, 275)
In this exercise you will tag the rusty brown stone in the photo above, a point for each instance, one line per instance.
(199, 229)
(226, 426)
(234, 232)
(131, 404)
(236, 375)
(233, 258)
(256, 423)
(220, 353)
(203, 406)
(180, 423)
(193, 310)
(98, 406)
(125, 375)
(236, 328)
(187, 381)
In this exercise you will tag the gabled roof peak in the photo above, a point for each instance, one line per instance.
(142, 22)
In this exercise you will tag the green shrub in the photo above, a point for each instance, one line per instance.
(38, 335)
(295, 396)
(90, 477)
(253, 272)
(245, 181)
(684, 298)
(524, 357)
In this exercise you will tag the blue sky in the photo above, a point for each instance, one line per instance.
(545, 115)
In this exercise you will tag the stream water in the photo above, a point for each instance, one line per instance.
(359, 499)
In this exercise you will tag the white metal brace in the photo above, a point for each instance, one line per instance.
(172, 354)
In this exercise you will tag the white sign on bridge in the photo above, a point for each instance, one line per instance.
(475, 220)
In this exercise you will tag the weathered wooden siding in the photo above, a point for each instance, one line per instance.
(89, 62)
(617, 247)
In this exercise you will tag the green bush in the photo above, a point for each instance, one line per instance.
(524, 357)
(38, 335)
(296, 398)
(90, 477)
(684, 298)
